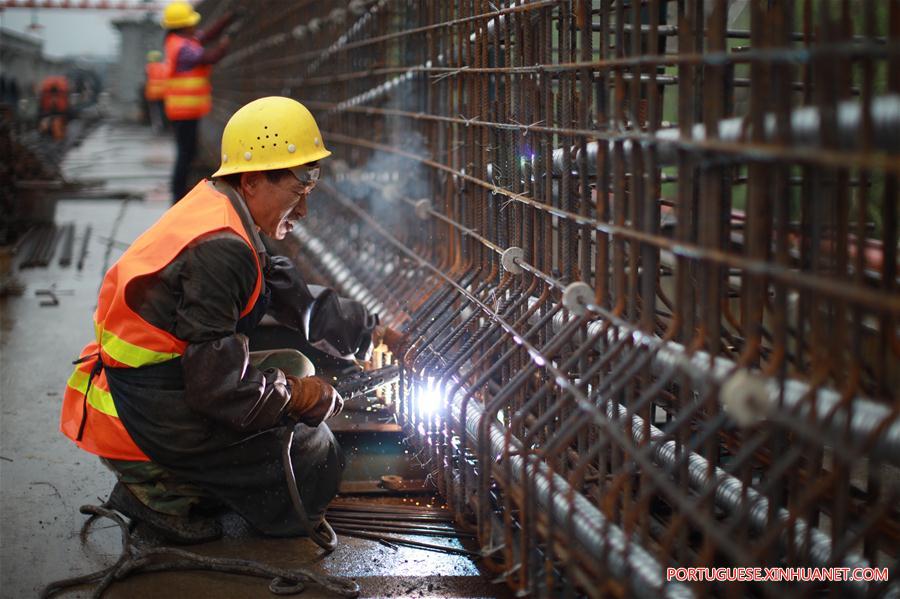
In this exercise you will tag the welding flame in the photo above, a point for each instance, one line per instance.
(430, 399)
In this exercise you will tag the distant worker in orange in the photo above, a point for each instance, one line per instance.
(188, 95)
(54, 107)
(155, 89)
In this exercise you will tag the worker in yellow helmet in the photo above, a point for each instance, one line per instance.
(169, 394)
(189, 55)
(156, 75)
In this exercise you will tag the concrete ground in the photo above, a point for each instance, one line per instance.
(44, 478)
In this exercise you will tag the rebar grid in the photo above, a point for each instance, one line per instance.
(645, 254)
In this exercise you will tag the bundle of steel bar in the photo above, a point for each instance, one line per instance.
(645, 254)
(68, 244)
(373, 520)
(39, 248)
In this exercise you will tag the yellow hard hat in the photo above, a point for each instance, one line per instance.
(154, 56)
(269, 134)
(179, 14)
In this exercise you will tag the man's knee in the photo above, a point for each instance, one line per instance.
(319, 478)
(289, 361)
(331, 456)
(158, 489)
(336, 448)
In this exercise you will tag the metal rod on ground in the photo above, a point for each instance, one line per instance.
(351, 532)
(50, 248)
(383, 509)
(68, 245)
(84, 247)
(387, 517)
(401, 529)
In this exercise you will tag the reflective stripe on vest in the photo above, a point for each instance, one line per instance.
(103, 433)
(176, 102)
(188, 93)
(129, 354)
(123, 338)
(187, 83)
(99, 399)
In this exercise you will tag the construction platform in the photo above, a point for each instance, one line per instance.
(45, 478)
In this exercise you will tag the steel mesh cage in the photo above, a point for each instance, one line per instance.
(645, 254)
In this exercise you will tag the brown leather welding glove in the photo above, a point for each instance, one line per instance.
(313, 400)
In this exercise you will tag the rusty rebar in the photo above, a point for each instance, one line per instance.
(645, 255)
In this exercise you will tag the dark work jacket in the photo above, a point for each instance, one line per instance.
(198, 298)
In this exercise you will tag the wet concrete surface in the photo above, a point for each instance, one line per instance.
(44, 478)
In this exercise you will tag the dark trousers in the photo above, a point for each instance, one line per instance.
(247, 477)
(156, 112)
(186, 146)
(200, 468)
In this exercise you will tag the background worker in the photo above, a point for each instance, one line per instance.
(169, 394)
(54, 106)
(156, 75)
(188, 92)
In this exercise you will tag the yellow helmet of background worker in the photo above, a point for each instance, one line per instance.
(154, 56)
(179, 14)
(269, 134)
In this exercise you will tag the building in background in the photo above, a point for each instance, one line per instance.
(137, 36)
(25, 66)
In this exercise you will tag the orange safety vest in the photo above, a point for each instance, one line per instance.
(157, 75)
(188, 93)
(123, 338)
(54, 94)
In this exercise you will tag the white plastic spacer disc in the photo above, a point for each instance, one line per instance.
(422, 208)
(576, 297)
(745, 398)
(291, 148)
(224, 157)
(508, 259)
(247, 155)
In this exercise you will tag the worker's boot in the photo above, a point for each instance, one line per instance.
(177, 529)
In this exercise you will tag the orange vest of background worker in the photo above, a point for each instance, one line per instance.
(155, 90)
(54, 106)
(124, 339)
(54, 95)
(157, 75)
(188, 91)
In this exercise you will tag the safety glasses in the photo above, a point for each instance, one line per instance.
(308, 174)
